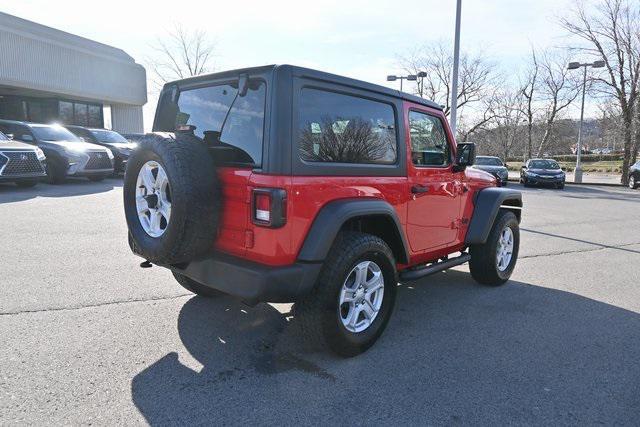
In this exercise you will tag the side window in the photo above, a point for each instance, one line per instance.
(23, 134)
(345, 129)
(429, 146)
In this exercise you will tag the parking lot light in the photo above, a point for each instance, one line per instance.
(411, 77)
(577, 175)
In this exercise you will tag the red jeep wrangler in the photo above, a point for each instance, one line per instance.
(285, 184)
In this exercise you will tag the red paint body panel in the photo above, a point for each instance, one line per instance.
(434, 223)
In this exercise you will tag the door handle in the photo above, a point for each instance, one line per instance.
(418, 189)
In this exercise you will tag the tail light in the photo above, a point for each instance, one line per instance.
(269, 207)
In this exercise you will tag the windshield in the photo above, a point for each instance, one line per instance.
(109, 136)
(543, 164)
(205, 110)
(488, 161)
(53, 133)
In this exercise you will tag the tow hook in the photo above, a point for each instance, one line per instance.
(146, 264)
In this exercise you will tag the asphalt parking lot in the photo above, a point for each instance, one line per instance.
(89, 337)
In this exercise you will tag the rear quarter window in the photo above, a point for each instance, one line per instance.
(220, 117)
(341, 128)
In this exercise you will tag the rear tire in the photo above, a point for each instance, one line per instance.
(321, 315)
(195, 287)
(484, 264)
(633, 182)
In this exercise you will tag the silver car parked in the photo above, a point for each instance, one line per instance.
(67, 155)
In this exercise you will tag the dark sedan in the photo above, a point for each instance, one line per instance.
(542, 172)
(494, 166)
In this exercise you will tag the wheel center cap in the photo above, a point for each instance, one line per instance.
(360, 293)
(152, 200)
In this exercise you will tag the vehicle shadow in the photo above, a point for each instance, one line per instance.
(454, 352)
(10, 193)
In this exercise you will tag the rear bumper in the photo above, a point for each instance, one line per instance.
(250, 281)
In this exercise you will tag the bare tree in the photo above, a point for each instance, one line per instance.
(182, 53)
(556, 89)
(477, 74)
(528, 86)
(509, 114)
(612, 32)
(481, 118)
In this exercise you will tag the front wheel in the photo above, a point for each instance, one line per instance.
(56, 173)
(493, 261)
(354, 296)
(633, 182)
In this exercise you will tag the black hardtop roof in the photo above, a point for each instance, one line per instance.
(312, 74)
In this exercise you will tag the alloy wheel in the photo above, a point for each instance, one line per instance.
(504, 251)
(361, 296)
(153, 198)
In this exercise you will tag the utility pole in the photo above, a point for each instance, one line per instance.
(456, 60)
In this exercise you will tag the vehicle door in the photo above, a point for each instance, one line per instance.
(434, 208)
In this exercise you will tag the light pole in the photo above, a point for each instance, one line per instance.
(410, 77)
(577, 176)
(454, 77)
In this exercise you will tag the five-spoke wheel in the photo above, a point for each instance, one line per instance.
(354, 296)
(504, 251)
(153, 198)
(361, 296)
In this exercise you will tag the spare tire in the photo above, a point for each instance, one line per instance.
(171, 198)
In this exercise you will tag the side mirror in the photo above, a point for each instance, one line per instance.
(9, 135)
(465, 155)
(523, 167)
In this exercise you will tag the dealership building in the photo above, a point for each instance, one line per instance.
(48, 75)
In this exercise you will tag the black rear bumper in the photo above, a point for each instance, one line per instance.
(250, 281)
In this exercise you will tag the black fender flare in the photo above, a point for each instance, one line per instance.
(335, 214)
(486, 205)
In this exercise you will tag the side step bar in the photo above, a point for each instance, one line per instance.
(434, 267)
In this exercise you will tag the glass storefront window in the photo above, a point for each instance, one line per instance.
(95, 116)
(80, 114)
(65, 111)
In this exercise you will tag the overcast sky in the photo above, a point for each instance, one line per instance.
(355, 38)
